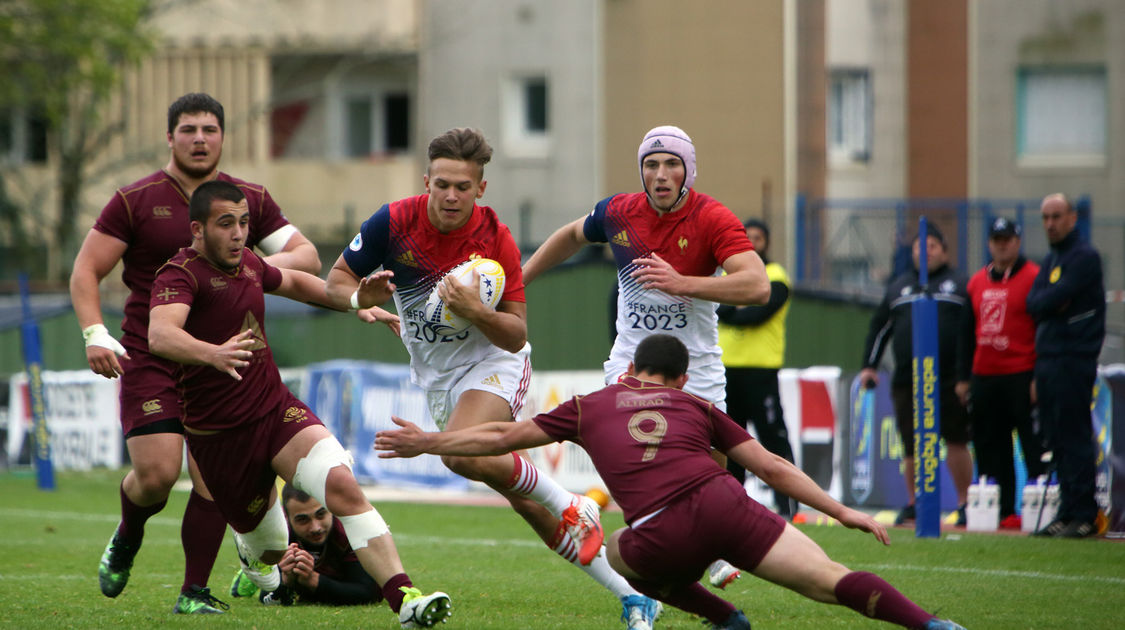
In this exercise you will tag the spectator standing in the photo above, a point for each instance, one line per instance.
(998, 395)
(753, 343)
(1067, 302)
(892, 322)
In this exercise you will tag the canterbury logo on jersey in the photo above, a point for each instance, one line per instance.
(407, 258)
(218, 283)
(162, 212)
(493, 380)
(256, 505)
(621, 238)
(151, 406)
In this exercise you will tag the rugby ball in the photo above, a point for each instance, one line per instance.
(445, 321)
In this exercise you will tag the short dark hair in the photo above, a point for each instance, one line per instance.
(662, 355)
(208, 192)
(462, 143)
(932, 231)
(759, 224)
(195, 103)
(290, 492)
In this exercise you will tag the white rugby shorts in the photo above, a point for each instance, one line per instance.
(505, 374)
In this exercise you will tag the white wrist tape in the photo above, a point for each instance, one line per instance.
(97, 335)
(355, 300)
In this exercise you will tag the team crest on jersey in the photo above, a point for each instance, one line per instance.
(162, 212)
(151, 406)
(406, 258)
(621, 238)
(167, 294)
(1056, 273)
(254, 506)
(682, 243)
(295, 414)
(948, 287)
(250, 273)
(357, 243)
(218, 283)
(249, 322)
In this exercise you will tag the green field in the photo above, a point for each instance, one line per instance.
(499, 576)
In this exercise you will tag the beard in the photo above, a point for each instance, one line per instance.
(193, 171)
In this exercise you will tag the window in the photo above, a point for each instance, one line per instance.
(1062, 116)
(360, 142)
(396, 122)
(849, 116)
(23, 137)
(526, 116)
(377, 124)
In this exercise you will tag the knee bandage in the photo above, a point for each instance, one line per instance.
(363, 527)
(311, 475)
(272, 534)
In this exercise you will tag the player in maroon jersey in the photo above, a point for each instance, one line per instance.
(142, 226)
(651, 442)
(241, 424)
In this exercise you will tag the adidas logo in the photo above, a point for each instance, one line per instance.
(656, 144)
(621, 238)
(407, 258)
(493, 380)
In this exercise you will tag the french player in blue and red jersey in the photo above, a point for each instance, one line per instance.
(481, 373)
(651, 444)
(142, 226)
(672, 245)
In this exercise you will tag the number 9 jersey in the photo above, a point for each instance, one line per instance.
(399, 237)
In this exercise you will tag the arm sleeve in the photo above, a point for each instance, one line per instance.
(594, 227)
(967, 339)
(725, 433)
(268, 219)
(354, 586)
(114, 219)
(755, 315)
(173, 284)
(368, 249)
(1048, 298)
(728, 237)
(878, 333)
(561, 423)
(271, 276)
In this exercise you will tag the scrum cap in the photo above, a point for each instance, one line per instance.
(669, 139)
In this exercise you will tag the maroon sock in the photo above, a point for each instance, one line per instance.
(690, 597)
(391, 592)
(201, 533)
(872, 596)
(132, 527)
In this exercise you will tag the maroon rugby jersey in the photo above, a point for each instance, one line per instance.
(151, 217)
(222, 305)
(650, 443)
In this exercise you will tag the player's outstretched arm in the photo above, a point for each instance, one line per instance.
(342, 282)
(744, 283)
(490, 438)
(297, 253)
(564, 243)
(167, 338)
(305, 287)
(780, 474)
(96, 258)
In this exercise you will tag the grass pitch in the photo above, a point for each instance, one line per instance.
(499, 576)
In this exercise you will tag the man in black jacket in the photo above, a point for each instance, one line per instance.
(892, 322)
(1067, 302)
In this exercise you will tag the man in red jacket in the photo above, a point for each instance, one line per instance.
(1003, 363)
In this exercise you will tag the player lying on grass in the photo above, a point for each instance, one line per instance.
(651, 442)
(241, 424)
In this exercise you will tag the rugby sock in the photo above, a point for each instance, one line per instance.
(201, 533)
(871, 596)
(598, 568)
(131, 530)
(526, 481)
(391, 592)
(690, 597)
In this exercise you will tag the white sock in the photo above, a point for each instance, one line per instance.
(526, 481)
(598, 568)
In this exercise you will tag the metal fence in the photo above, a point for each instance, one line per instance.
(850, 248)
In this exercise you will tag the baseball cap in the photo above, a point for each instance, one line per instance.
(1003, 228)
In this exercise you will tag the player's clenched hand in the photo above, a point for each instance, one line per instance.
(234, 354)
(376, 288)
(287, 564)
(654, 272)
(861, 521)
(376, 314)
(404, 442)
(462, 300)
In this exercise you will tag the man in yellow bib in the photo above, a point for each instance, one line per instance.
(753, 343)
